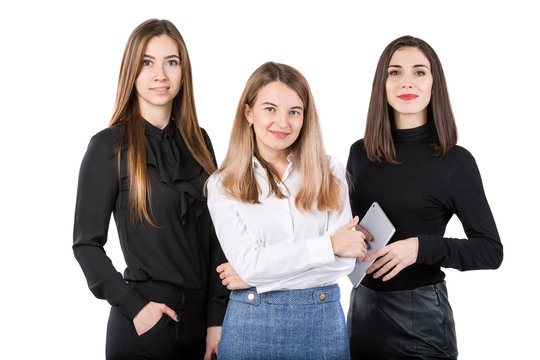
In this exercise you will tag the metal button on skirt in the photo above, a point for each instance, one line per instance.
(291, 324)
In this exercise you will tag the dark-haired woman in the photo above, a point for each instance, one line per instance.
(410, 164)
(148, 169)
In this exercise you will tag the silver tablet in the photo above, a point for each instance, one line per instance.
(378, 225)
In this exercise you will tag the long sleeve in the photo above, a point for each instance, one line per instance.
(218, 294)
(275, 260)
(96, 197)
(482, 249)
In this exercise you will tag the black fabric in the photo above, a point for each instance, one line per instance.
(183, 251)
(405, 324)
(168, 339)
(419, 195)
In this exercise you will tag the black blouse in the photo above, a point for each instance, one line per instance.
(183, 250)
(420, 195)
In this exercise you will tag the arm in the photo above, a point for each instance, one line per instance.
(260, 265)
(96, 195)
(483, 248)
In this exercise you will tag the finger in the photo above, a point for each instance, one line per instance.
(222, 275)
(376, 254)
(225, 282)
(386, 268)
(208, 353)
(377, 264)
(352, 223)
(221, 267)
(172, 314)
(364, 231)
(393, 273)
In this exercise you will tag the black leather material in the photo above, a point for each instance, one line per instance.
(407, 324)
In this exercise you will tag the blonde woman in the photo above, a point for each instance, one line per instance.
(148, 169)
(281, 213)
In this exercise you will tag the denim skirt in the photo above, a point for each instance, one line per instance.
(290, 324)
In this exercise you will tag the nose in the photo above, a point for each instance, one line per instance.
(281, 120)
(407, 82)
(160, 74)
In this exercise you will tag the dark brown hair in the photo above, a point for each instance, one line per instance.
(378, 139)
(127, 115)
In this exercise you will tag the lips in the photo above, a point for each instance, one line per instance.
(160, 90)
(408, 96)
(279, 134)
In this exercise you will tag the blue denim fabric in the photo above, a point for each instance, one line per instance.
(292, 324)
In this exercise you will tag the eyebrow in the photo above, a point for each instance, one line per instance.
(166, 57)
(272, 104)
(415, 66)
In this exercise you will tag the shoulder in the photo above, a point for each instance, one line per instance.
(213, 185)
(358, 145)
(336, 167)
(459, 156)
(106, 139)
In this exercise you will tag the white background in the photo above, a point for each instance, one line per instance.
(60, 64)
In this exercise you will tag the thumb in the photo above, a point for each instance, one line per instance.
(172, 314)
(352, 223)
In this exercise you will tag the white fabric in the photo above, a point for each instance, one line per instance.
(274, 246)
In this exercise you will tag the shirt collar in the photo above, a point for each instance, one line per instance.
(158, 133)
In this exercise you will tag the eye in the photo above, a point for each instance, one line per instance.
(147, 63)
(393, 73)
(420, 73)
(172, 62)
(270, 109)
(294, 112)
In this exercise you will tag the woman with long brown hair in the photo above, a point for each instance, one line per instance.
(410, 164)
(281, 213)
(148, 169)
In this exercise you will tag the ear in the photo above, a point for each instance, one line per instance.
(248, 113)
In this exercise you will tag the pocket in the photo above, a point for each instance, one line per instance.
(429, 320)
(162, 323)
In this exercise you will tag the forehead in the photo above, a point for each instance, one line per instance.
(276, 91)
(162, 44)
(409, 56)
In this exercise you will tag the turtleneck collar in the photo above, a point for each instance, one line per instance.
(417, 134)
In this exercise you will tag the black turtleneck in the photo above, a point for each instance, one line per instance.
(420, 195)
(183, 250)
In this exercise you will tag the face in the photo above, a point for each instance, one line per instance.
(161, 75)
(277, 117)
(408, 86)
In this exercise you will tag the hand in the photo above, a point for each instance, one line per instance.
(366, 234)
(230, 278)
(349, 243)
(397, 255)
(149, 315)
(213, 334)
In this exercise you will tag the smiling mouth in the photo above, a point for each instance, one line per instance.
(279, 134)
(160, 89)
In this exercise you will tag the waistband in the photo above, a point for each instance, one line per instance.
(170, 294)
(318, 295)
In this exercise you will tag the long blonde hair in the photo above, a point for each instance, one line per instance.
(318, 185)
(127, 115)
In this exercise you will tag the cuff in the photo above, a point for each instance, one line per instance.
(320, 250)
(215, 314)
(132, 303)
(428, 248)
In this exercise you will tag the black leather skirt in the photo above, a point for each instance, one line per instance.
(406, 324)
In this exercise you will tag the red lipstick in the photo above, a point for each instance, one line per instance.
(408, 96)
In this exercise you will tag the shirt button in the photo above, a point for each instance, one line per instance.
(322, 297)
(251, 296)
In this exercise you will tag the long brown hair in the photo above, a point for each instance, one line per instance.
(318, 184)
(378, 139)
(127, 115)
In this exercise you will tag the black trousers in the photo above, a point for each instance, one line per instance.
(408, 324)
(167, 339)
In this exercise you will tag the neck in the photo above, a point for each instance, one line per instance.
(159, 116)
(277, 159)
(409, 121)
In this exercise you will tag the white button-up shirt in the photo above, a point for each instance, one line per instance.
(273, 245)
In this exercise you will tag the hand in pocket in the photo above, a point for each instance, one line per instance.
(149, 316)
